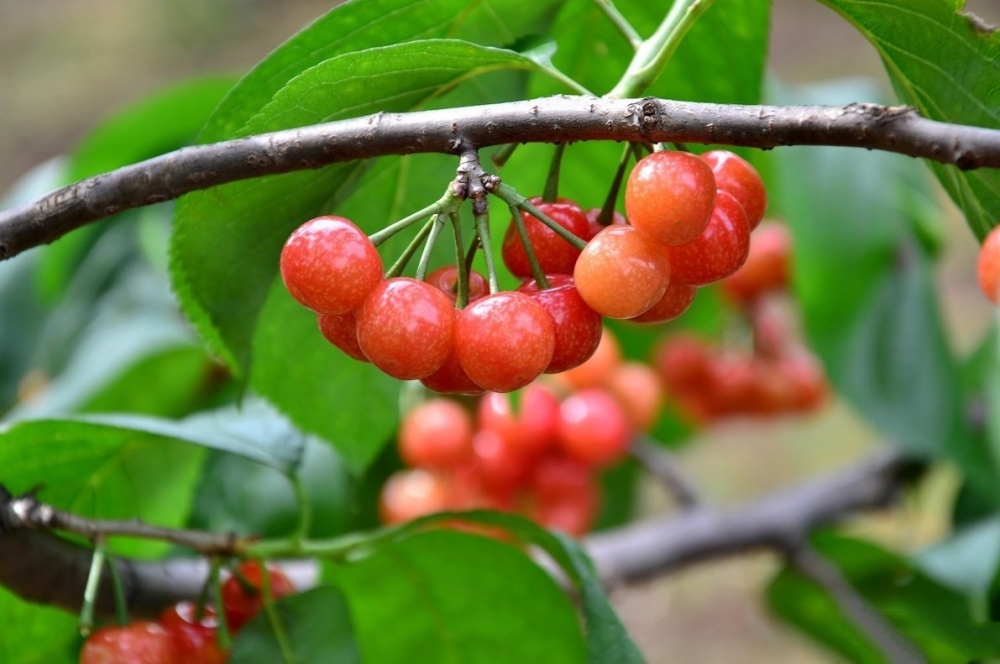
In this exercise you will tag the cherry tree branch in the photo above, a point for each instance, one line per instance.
(452, 131)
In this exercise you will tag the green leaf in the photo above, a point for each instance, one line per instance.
(933, 617)
(36, 634)
(944, 63)
(316, 626)
(968, 560)
(453, 597)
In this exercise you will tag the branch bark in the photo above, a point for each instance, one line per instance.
(553, 119)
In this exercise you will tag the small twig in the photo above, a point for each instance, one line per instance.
(620, 22)
(661, 464)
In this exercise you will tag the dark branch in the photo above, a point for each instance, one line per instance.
(41, 567)
(553, 119)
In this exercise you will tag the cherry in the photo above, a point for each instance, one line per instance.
(446, 279)
(409, 494)
(136, 643)
(451, 378)
(674, 302)
(766, 268)
(593, 428)
(595, 371)
(735, 176)
(735, 384)
(577, 326)
(532, 429)
(719, 251)
(684, 362)
(564, 494)
(809, 388)
(574, 514)
(241, 604)
(342, 331)
(405, 328)
(669, 196)
(329, 265)
(555, 255)
(504, 341)
(194, 638)
(637, 388)
(500, 464)
(594, 226)
(620, 274)
(436, 434)
(988, 268)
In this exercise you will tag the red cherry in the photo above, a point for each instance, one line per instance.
(766, 268)
(638, 390)
(329, 265)
(734, 175)
(405, 328)
(446, 279)
(500, 465)
(735, 385)
(574, 515)
(620, 274)
(436, 434)
(532, 429)
(988, 268)
(669, 196)
(564, 495)
(451, 378)
(593, 428)
(719, 251)
(675, 301)
(555, 255)
(342, 331)
(594, 226)
(577, 326)
(595, 371)
(684, 363)
(137, 643)
(194, 638)
(810, 389)
(241, 605)
(504, 341)
(409, 494)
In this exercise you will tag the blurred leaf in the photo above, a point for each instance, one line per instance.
(619, 485)
(34, 634)
(455, 597)
(317, 627)
(932, 616)
(968, 560)
(944, 63)
(865, 285)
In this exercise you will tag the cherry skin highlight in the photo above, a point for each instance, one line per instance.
(329, 265)
(194, 639)
(719, 251)
(735, 176)
(621, 274)
(577, 326)
(342, 331)
(405, 328)
(669, 196)
(504, 341)
(988, 267)
(555, 255)
(436, 434)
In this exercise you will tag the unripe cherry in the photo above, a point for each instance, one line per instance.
(621, 274)
(669, 196)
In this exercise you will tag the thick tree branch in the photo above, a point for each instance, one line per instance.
(553, 119)
(42, 567)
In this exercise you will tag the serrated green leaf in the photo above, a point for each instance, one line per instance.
(945, 64)
(316, 626)
(453, 597)
(36, 634)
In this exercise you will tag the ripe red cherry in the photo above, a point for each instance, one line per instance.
(988, 269)
(241, 605)
(532, 429)
(136, 643)
(593, 428)
(436, 434)
(621, 274)
(504, 341)
(555, 255)
(409, 494)
(669, 196)
(446, 279)
(577, 326)
(405, 328)
(342, 331)
(500, 465)
(329, 265)
(451, 378)
(194, 639)
(564, 494)
(719, 251)
(595, 371)
(674, 302)
(594, 226)
(684, 363)
(766, 268)
(734, 175)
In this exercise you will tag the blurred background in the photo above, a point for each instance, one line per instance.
(65, 65)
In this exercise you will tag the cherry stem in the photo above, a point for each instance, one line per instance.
(222, 636)
(287, 652)
(447, 202)
(425, 257)
(305, 507)
(620, 22)
(551, 192)
(611, 201)
(90, 590)
(461, 265)
(529, 250)
(121, 602)
(483, 227)
(501, 156)
(470, 255)
(404, 258)
(509, 195)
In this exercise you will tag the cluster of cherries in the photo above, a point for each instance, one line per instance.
(183, 634)
(779, 376)
(690, 222)
(538, 458)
